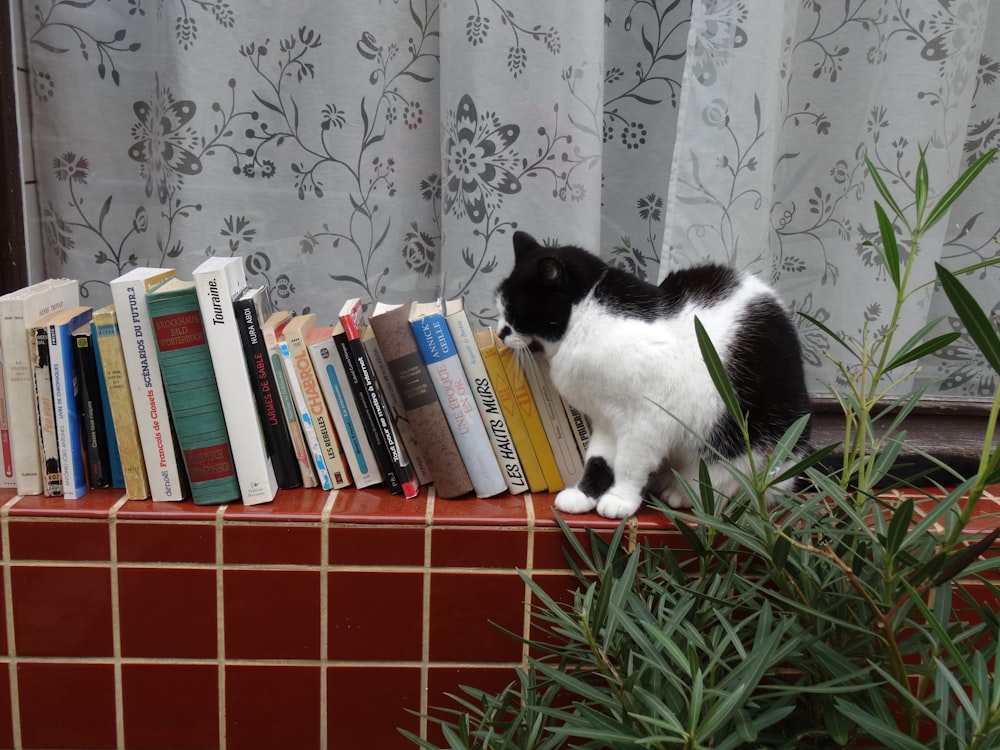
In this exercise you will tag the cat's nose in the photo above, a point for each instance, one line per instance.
(504, 332)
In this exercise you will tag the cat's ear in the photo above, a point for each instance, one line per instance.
(524, 246)
(550, 270)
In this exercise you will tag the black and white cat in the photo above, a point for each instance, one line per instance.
(625, 353)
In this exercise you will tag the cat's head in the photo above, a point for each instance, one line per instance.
(535, 301)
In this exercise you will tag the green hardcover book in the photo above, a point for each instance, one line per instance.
(192, 392)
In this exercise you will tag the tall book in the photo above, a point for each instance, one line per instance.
(114, 454)
(7, 478)
(65, 386)
(116, 383)
(409, 373)
(309, 433)
(164, 470)
(296, 335)
(17, 310)
(485, 395)
(91, 407)
(554, 420)
(397, 412)
(271, 328)
(529, 414)
(374, 438)
(508, 404)
(394, 463)
(346, 418)
(192, 392)
(454, 391)
(219, 280)
(48, 443)
(252, 308)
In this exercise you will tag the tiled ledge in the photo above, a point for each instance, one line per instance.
(318, 620)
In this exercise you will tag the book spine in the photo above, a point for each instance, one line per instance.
(95, 438)
(268, 399)
(515, 423)
(359, 390)
(156, 435)
(114, 455)
(302, 458)
(322, 421)
(48, 445)
(557, 427)
(396, 410)
(193, 397)
(217, 286)
(487, 403)
(532, 421)
(7, 478)
(122, 409)
(455, 394)
(305, 417)
(346, 419)
(579, 427)
(65, 386)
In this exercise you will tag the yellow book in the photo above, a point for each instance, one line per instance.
(508, 405)
(531, 418)
(120, 400)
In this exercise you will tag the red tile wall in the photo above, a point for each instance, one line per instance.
(321, 620)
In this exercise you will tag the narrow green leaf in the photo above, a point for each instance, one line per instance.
(976, 322)
(828, 331)
(921, 185)
(957, 188)
(719, 376)
(928, 347)
(883, 732)
(884, 192)
(890, 249)
(899, 526)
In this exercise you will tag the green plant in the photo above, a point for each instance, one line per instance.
(844, 618)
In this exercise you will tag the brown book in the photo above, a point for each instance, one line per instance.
(392, 330)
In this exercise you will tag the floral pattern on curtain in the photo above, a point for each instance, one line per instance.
(388, 149)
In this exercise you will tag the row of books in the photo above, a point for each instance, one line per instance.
(199, 388)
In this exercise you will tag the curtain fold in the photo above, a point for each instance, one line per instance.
(388, 149)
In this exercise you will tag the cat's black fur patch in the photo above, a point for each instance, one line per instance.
(765, 342)
(597, 477)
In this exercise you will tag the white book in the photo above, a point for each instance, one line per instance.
(455, 394)
(554, 420)
(343, 407)
(305, 416)
(18, 310)
(486, 398)
(219, 281)
(159, 446)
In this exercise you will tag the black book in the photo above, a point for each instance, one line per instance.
(93, 428)
(252, 308)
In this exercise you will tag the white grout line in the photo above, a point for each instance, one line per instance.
(8, 595)
(425, 625)
(529, 570)
(324, 616)
(220, 623)
(116, 630)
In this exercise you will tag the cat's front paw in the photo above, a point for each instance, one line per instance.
(676, 499)
(613, 505)
(572, 500)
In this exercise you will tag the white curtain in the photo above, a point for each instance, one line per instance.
(389, 149)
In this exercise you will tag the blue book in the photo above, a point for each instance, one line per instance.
(65, 387)
(114, 455)
(455, 392)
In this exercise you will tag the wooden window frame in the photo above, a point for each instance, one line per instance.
(13, 254)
